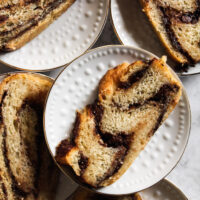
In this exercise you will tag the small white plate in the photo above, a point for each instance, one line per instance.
(76, 87)
(133, 28)
(164, 190)
(65, 39)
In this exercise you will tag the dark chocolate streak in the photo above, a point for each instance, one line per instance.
(133, 78)
(121, 139)
(4, 190)
(64, 147)
(163, 98)
(3, 18)
(83, 163)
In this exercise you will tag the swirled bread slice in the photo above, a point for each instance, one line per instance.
(82, 194)
(26, 169)
(177, 23)
(22, 20)
(133, 101)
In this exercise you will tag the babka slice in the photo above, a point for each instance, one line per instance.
(177, 23)
(133, 101)
(26, 168)
(22, 20)
(82, 194)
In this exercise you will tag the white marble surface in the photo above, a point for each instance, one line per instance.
(186, 175)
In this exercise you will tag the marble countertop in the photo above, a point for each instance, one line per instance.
(186, 174)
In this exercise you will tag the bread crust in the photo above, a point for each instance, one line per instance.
(27, 36)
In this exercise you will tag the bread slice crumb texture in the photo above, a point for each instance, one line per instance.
(22, 147)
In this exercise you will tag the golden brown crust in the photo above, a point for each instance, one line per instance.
(36, 30)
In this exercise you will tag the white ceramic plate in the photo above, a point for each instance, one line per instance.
(164, 190)
(133, 28)
(77, 85)
(67, 38)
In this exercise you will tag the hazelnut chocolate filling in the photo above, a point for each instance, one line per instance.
(3, 18)
(83, 162)
(64, 147)
(133, 78)
(4, 191)
(169, 13)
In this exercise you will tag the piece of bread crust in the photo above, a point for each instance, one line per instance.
(27, 36)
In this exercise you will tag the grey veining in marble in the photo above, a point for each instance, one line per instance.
(186, 174)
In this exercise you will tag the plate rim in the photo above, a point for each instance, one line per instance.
(49, 69)
(176, 187)
(45, 108)
(165, 180)
(122, 43)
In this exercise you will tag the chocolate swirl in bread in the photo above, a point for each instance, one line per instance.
(177, 24)
(23, 20)
(133, 101)
(25, 163)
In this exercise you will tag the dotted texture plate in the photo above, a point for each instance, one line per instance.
(64, 40)
(77, 86)
(133, 28)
